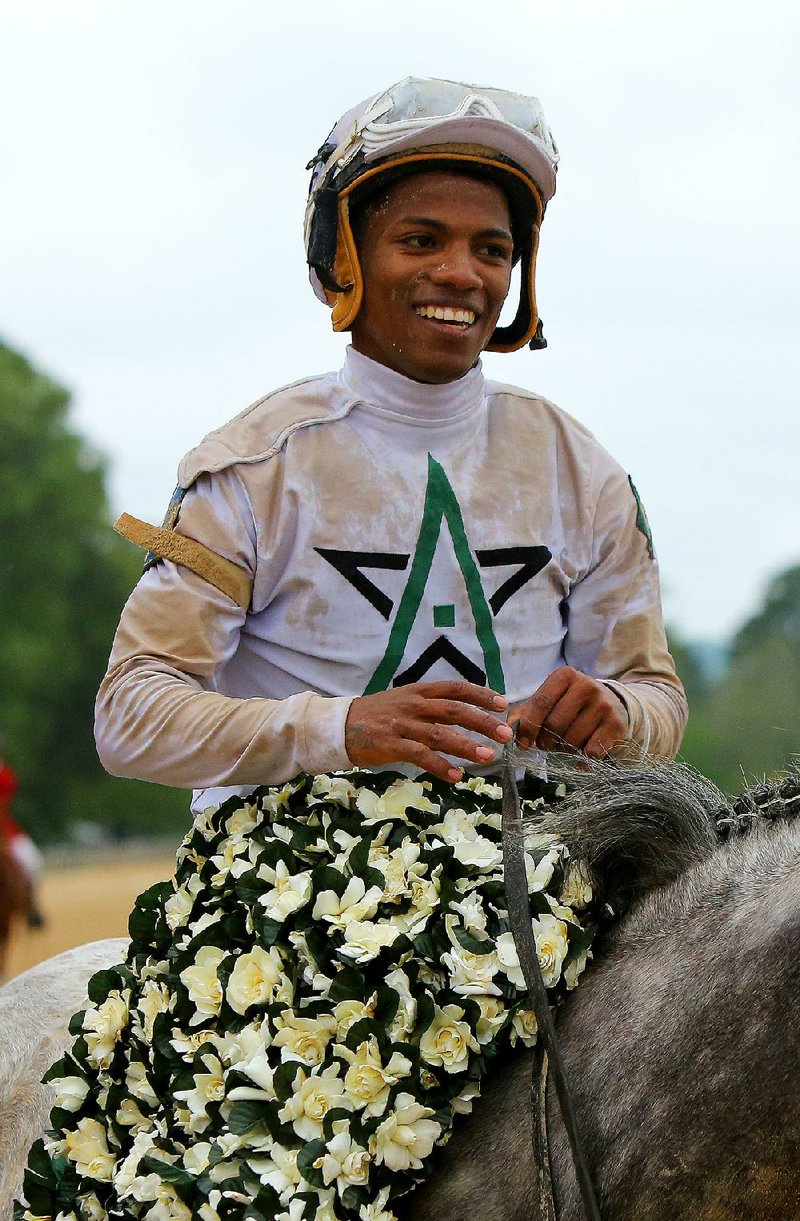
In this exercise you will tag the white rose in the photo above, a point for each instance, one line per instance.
(129, 1115)
(278, 1171)
(492, 1019)
(404, 1020)
(343, 1162)
(333, 788)
(377, 1210)
(90, 1208)
(205, 921)
(462, 1103)
(480, 852)
(574, 969)
(166, 1203)
(187, 1044)
(178, 908)
(484, 788)
(455, 826)
(394, 866)
(103, 1025)
(539, 875)
(196, 1157)
(208, 1087)
(472, 974)
(458, 829)
(509, 960)
(448, 1040)
(276, 802)
(577, 889)
(311, 1099)
(348, 1012)
(155, 999)
(204, 822)
(70, 1092)
(424, 892)
(87, 1147)
(289, 891)
(399, 797)
(228, 862)
(551, 946)
(365, 940)
(256, 979)
(368, 1080)
(304, 1039)
(525, 1027)
(138, 1083)
(406, 1136)
(472, 913)
(244, 820)
(355, 903)
(202, 983)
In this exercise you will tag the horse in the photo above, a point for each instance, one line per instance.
(681, 1043)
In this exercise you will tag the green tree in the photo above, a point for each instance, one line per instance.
(777, 619)
(748, 726)
(64, 576)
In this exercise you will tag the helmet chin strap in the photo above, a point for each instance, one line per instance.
(526, 326)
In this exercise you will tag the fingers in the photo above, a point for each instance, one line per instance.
(571, 711)
(422, 722)
(460, 692)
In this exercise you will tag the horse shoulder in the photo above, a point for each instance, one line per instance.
(35, 1009)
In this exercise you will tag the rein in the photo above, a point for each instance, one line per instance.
(547, 1053)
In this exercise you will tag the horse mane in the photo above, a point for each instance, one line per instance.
(637, 826)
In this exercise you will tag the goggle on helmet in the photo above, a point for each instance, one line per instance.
(427, 123)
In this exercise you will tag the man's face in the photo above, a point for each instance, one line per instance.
(436, 259)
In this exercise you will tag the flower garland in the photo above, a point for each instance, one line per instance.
(305, 1008)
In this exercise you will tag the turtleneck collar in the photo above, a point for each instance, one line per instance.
(382, 390)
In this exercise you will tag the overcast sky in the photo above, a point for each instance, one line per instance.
(152, 187)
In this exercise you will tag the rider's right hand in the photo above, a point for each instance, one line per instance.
(413, 724)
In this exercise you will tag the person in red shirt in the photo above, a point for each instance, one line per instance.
(20, 862)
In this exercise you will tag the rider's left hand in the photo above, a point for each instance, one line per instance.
(572, 712)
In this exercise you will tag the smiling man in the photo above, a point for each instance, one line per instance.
(381, 566)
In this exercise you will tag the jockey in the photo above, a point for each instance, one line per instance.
(373, 569)
(380, 566)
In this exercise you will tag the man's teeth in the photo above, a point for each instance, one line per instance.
(444, 313)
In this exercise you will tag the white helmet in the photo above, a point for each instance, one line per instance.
(419, 123)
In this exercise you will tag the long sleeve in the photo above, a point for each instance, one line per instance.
(615, 629)
(160, 715)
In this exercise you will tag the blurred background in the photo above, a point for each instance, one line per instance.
(152, 284)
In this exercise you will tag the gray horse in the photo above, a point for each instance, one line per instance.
(682, 1042)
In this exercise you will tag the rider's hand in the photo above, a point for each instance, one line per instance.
(572, 712)
(412, 724)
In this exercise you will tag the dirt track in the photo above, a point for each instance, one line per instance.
(86, 902)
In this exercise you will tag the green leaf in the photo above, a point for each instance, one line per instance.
(325, 877)
(284, 1077)
(167, 1172)
(247, 1115)
(268, 930)
(474, 945)
(306, 1157)
(348, 984)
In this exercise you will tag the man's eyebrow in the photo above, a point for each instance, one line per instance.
(442, 226)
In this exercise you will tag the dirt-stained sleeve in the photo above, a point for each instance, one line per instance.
(615, 628)
(158, 715)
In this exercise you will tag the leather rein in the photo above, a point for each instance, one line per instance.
(547, 1055)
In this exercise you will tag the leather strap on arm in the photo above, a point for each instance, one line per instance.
(187, 552)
